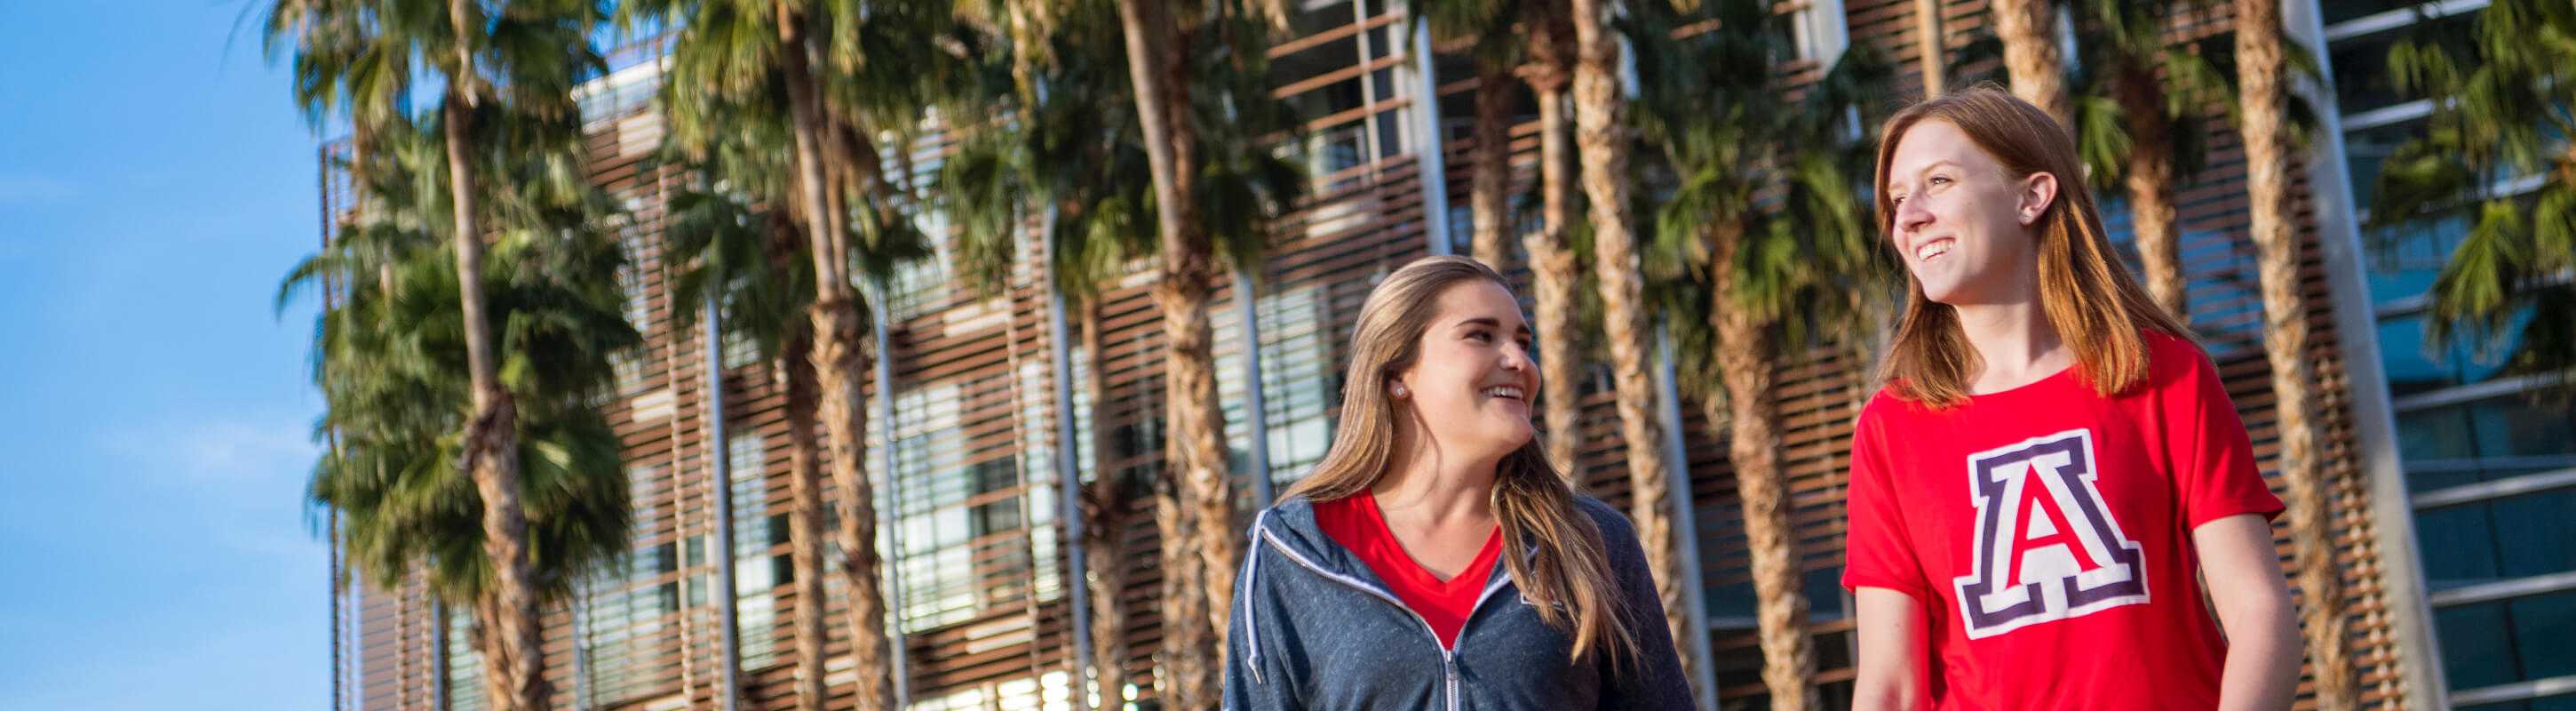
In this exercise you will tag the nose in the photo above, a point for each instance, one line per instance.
(1910, 218)
(1516, 357)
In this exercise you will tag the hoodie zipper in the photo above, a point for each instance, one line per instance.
(1448, 658)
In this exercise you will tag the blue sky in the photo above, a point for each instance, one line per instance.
(155, 181)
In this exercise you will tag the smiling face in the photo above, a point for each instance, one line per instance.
(1471, 378)
(1962, 221)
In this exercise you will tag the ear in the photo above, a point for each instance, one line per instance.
(2037, 192)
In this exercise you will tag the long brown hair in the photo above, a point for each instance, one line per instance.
(2097, 307)
(1569, 579)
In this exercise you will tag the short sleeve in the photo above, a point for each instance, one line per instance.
(2214, 469)
(1877, 553)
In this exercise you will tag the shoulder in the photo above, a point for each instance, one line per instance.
(1611, 521)
(1618, 534)
(1887, 406)
(2175, 361)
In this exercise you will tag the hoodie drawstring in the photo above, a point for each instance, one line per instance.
(1251, 576)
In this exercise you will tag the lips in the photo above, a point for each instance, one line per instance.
(1932, 249)
(1505, 391)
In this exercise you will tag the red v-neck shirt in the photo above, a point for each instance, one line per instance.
(1356, 523)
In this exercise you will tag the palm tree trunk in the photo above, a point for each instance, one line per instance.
(1104, 508)
(1752, 436)
(839, 359)
(492, 440)
(1927, 33)
(1491, 184)
(1157, 63)
(2028, 29)
(2152, 220)
(1553, 268)
(1598, 129)
(805, 520)
(2259, 73)
(1190, 682)
(498, 689)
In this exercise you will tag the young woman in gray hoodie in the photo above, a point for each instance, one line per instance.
(1435, 559)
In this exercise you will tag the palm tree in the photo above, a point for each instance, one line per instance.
(744, 259)
(825, 60)
(988, 186)
(1173, 52)
(1762, 199)
(538, 49)
(2261, 71)
(387, 360)
(1601, 131)
(2499, 103)
(2138, 119)
(1051, 152)
(1158, 41)
(1555, 272)
(1487, 30)
(2032, 56)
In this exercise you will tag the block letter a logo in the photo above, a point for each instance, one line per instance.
(2047, 547)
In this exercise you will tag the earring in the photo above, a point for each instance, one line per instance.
(1398, 389)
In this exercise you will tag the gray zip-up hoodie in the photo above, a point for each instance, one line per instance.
(1314, 628)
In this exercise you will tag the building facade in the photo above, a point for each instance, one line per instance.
(2454, 500)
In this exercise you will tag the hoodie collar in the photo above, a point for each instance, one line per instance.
(1291, 525)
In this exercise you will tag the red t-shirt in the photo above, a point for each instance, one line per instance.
(1356, 523)
(2046, 530)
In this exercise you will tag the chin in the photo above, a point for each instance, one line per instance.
(1946, 294)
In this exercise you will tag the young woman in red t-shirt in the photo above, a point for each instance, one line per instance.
(2052, 459)
(1434, 559)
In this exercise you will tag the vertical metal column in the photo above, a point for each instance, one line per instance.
(1427, 146)
(1668, 408)
(889, 535)
(1256, 416)
(1068, 467)
(720, 478)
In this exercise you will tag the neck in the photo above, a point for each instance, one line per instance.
(2014, 341)
(1437, 485)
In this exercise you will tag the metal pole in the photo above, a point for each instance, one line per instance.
(720, 468)
(1068, 470)
(438, 654)
(888, 535)
(1668, 407)
(1257, 415)
(1428, 149)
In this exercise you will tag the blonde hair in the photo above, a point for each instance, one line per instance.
(2097, 307)
(1569, 580)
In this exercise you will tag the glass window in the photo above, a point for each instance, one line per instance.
(2476, 645)
(2366, 150)
(2415, 364)
(1297, 376)
(2457, 545)
(2541, 625)
(2541, 531)
(2362, 79)
(2514, 426)
(2507, 641)
(2404, 258)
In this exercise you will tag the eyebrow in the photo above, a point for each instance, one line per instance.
(1489, 322)
(1894, 178)
(1927, 168)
